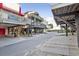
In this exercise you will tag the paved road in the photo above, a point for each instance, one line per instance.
(19, 49)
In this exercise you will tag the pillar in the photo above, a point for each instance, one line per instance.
(66, 30)
(72, 31)
(77, 26)
(6, 31)
(28, 32)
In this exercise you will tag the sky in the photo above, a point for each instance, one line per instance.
(44, 10)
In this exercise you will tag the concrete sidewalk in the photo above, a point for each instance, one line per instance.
(9, 41)
(6, 41)
(59, 45)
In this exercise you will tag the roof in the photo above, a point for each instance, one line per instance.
(66, 14)
(31, 12)
(11, 10)
(59, 5)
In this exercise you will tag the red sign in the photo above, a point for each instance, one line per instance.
(1, 5)
(2, 31)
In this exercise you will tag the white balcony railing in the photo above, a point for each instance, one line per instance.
(40, 25)
(7, 17)
(38, 17)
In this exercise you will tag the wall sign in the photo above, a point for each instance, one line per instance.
(12, 17)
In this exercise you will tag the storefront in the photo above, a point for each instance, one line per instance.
(10, 24)
(15, 31)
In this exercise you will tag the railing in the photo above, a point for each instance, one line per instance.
(10, 19)
(40, 25)
(38, 17)
(7, 17)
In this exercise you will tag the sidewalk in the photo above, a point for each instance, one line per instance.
(59, 45)
(6, 41)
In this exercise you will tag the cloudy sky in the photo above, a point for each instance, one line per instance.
(44, 9)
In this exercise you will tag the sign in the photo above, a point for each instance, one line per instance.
(12, 17)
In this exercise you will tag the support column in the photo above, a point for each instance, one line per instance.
(66, 30)
(72, 31)
(28, 32)
(77, 26)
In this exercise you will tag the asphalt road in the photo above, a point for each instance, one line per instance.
(19, 49)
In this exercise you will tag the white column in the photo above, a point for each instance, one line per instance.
(6, 31)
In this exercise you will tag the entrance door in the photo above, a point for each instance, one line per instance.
(2, 31)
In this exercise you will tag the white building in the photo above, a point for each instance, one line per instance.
(10, 17)
(37, 22)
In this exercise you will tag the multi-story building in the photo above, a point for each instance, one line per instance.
(37, 24)
(14, 23)
(11, 19)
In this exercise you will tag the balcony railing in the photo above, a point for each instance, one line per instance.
(38, 25)
(7, 17)
(38, 17)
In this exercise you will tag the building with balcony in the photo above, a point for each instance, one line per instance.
(14, 23)
(36, 24)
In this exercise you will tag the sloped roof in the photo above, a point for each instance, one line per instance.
(66, 14)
